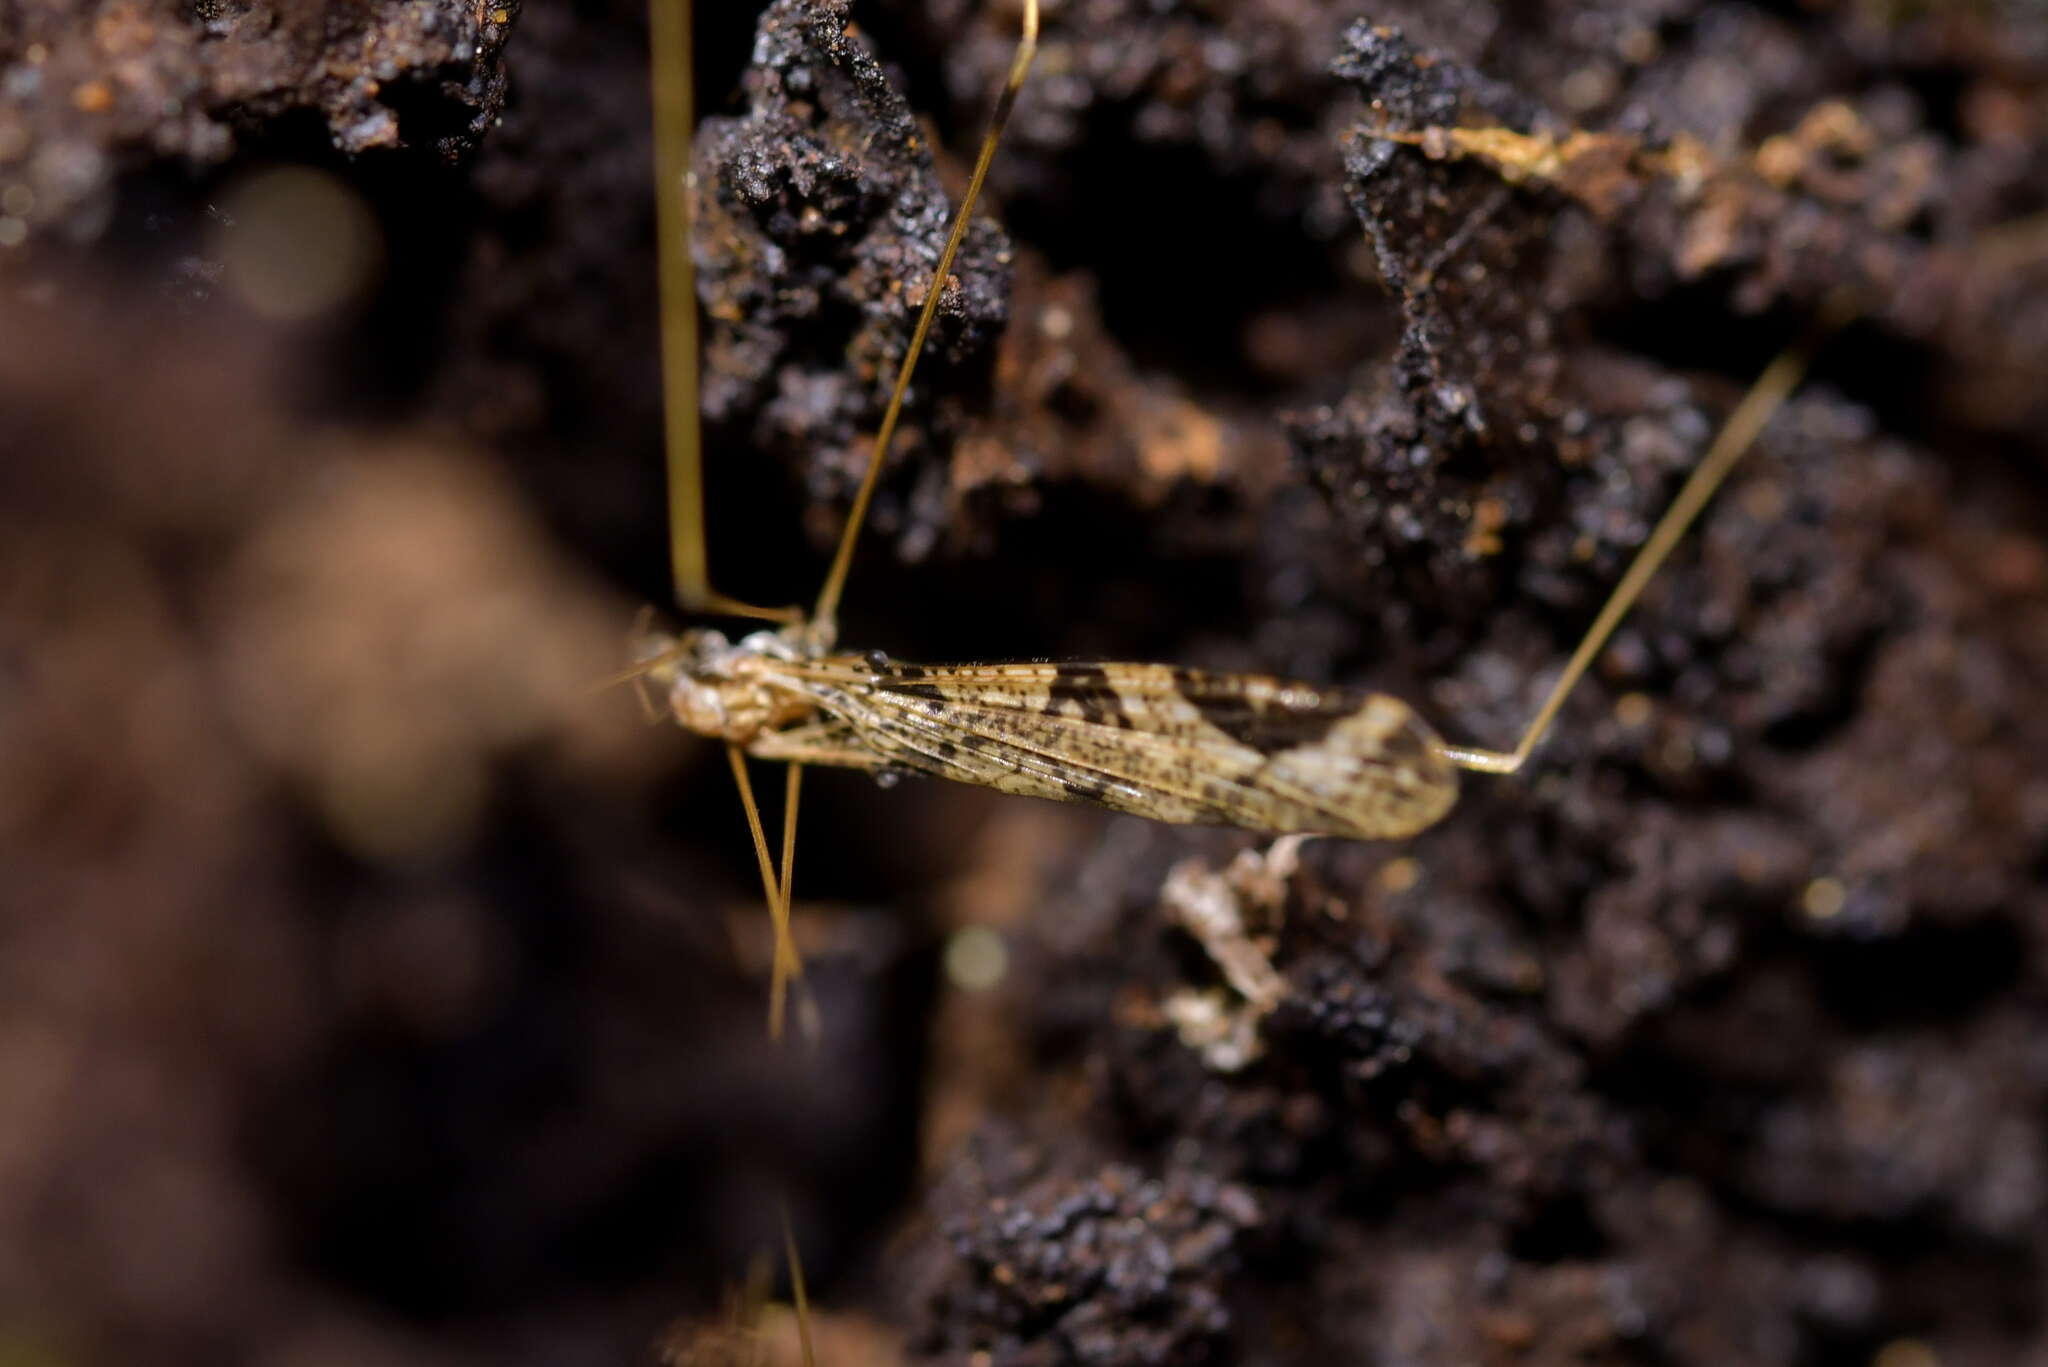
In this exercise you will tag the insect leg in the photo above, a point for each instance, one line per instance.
(785, 960)
(824, 617)
(1737, 435)
(786, 965)
(797, 1293)
(829, 743)
(674, 108)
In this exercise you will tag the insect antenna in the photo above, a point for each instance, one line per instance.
(824, 617)
(1768, 394)
(636, 675)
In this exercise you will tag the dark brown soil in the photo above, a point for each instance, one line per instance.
(373, 991)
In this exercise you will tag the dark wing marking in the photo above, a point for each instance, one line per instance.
(1086, 691)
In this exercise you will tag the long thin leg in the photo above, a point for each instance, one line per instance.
(668, 23)
(824, 617)
(1735, 438)
(797, 1293)
(786, 964)
(778, 908)
(829, 743)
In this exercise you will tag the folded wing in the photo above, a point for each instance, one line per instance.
(1169, 744)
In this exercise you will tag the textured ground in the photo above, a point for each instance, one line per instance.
(371, 991)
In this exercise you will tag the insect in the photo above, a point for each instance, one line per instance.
(1167, 743)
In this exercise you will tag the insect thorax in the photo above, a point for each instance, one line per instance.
(727, 689)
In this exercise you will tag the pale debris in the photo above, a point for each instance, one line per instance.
(1212, 907)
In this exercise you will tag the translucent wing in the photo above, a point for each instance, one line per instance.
(1169, 744)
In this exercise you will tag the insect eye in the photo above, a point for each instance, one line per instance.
(876, 660)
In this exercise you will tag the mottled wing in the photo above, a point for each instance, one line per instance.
(1170, 744)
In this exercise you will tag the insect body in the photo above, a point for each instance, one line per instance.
(1171, 744)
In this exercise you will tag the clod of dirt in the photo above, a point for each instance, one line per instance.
(820, 219)
(88, 90)
(1115, 1267)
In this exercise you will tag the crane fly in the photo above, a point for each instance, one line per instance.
(1171, 744)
